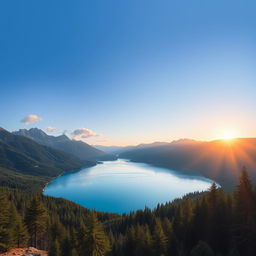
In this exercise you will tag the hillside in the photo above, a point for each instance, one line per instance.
(218, 160)
(23, 155)
(21, 181)
(78, 148)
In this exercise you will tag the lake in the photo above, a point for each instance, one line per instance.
(121, 186)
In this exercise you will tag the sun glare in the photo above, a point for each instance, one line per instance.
(228, 136)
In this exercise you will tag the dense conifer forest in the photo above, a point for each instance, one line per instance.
(212, 223)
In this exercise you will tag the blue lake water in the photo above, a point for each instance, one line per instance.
(122, 186)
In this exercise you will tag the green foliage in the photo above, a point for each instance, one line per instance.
(73, 252)
(211, 223)
(245, 198)
(5, 230)
(54, 248)
(17, 180)
(202, 249)
(160, 239)
(36, 220)
(92, 239)
(19, 232)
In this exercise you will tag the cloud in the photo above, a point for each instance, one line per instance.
(83, 133)
(50, 129)
(30, 119)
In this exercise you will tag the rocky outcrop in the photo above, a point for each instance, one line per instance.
(31, 251)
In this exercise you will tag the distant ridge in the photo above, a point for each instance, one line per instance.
(78, 148)
(218, 160)
(23, 155)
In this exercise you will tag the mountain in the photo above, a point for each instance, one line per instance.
(218, 160)
(78, 148)
(23, 155)
(117, 150)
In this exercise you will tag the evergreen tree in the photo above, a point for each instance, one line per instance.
(94, 241)
(160, 239)
(167, 227)
(244, 230)
(202, 249)
(21, 237)
(66, 247)
(147, 241)
(245, 198)
(200, 220)
(142, 241)
(54, 248)
(5, 231)
(36, 220)
(73, 252)
(18, 229)
(130, 245)
(57, 230)
(213, 197)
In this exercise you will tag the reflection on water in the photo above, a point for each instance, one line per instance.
(123, 186)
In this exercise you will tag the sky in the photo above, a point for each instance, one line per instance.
(127, 72)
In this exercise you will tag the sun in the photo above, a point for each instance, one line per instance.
(228, 136)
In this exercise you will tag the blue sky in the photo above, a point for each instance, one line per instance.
(130, 71)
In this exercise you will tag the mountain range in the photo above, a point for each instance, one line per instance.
(220, 160)
(23, 155)
(34, 153)
(79, 149)
(117, 150)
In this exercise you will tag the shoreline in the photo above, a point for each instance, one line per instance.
(181, 175)
(64, 172)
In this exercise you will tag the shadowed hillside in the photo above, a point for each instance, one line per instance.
(218, 160)
(24, 155)
(78, 148)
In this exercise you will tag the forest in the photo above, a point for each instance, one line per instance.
(209, 223)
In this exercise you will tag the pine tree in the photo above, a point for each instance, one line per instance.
(5, 231)
(66, 247)
(80, 238)
(54, 248)
(73, 252)
(57, 230)
(244, 197)
(213, 197)
(94, 241)
(160, 240)
(245, 215)
(21, 237)
(19, 232)
(130, 245)
(36, 220)
(147, 241)
(202, 249)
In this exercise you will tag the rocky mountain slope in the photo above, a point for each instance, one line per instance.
(78, 148)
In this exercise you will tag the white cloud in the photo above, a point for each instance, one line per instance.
(51, 129)
(30, 119)
(83, 133)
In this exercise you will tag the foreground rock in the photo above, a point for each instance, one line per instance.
(31, 251)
